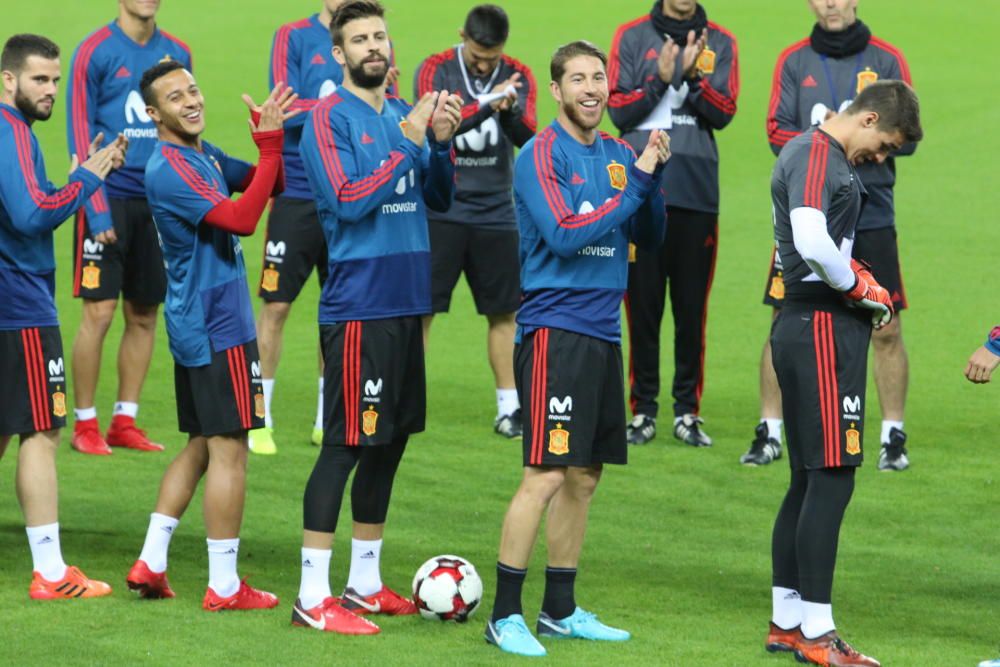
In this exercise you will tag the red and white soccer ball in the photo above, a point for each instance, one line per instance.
(447, 588)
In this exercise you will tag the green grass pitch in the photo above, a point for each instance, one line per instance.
(678, 544)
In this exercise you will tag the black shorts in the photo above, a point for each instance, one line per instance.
(572, 399)
(774, 290)
(374, 390)
(224, 397)
(489, 258)
(131, 266)
(294, 244)
(821, 359)
(32, 381)
(877, 247)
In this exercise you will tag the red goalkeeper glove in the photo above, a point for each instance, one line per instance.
(867, 293)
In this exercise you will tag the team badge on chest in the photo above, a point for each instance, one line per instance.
(617, 176)
(866, 78)
(706, 62)
(369, 421)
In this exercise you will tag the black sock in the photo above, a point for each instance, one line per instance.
(559, 602)
(508, 597)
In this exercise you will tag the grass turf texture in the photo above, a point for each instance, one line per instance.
(678, 543)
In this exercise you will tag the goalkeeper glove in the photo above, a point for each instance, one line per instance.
(867, 293)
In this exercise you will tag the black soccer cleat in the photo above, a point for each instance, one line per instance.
(640, 430)
(893, 454)
(509, 426)
(763, 450)
(687, 429)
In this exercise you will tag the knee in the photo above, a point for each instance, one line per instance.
(97, 315)
(141, 317)
(228, 451)
(540, 484)
(889, 336)
(582, 482)
(274, 313)
(501, 322)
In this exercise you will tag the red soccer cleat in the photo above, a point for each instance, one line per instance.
(832, 651)
(87, 438)
(329, 616)
(148, 584)
(74, 584)
(781, 640)
(247, 597)
(386, 601)
(124, 433)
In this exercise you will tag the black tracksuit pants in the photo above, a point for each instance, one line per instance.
(686, 263)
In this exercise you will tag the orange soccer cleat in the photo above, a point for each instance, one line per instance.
(781, 640)
(147, 584)
(830, 650)
(74, 584)
(124, 433)
(247, 597)
(386, 601)
(87, 438)
(330, 616)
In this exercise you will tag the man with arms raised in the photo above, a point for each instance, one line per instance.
(33, 389)
(581, 198)
(209, 322)
(375, 164)
(115, 246)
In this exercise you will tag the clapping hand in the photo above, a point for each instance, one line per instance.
(276, 109)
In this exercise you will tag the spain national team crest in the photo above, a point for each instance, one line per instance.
(777, 289)
(59, 404)
(258, 404)
(706, 62)
(866, 78)
(369, 421)
(631, 253)
(559, 440)
(616, 174)
(91, 277)
(853, 441)
(269, 280)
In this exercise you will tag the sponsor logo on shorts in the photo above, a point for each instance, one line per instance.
(369, 421)
(559, 408)
(559, 440)
(274, 251)
(57, 370)
(372, 390)
(255, 376)
(852, 407)
(93, 250)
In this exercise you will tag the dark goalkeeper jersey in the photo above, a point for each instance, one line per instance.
(484, 144)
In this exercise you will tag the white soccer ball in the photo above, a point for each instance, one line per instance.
(447, 588)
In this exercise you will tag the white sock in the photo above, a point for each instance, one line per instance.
(222, 577)
(888, 426)
(507, 402)
(315, 584)
(319, 407)
(125, 408)
(774, 428)
(83, 414)
(786, 605)
(817, 619)
(154, 549)
(364, 577)
(46, 555)
(268, 385)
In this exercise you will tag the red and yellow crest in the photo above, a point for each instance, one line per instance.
(853, 441)
(617, 176)
(631, 253)
(777, 289)
(369, 421)
(706, 62)
(91, 277)
(559, 440)
(269, 280)
(59, 404)
(866, 78)
(258, 404)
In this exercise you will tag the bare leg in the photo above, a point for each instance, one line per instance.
(182, 477)
(892, 369)
(225, 485)
(520, 526)
(136, 349)
(500, 347)
(36, 482)
(87, 347)
(270, 328)
(567, 520)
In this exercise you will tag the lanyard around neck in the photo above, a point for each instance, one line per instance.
(465, 75)
(830, 84)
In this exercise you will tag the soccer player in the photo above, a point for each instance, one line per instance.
(581, 198)
(478, 234)
(209, 322)
(115, 247)
(373, 173)
(813, 79)
(674, 70)
(31, 358)
(820, 349)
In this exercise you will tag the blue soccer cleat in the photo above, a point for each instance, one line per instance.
(990, 663)
(579, 625)
(511, 634)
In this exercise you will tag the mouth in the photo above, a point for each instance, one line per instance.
(192, 116)
(591, 104)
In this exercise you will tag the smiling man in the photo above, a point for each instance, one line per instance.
(581, 197)
(820, 348)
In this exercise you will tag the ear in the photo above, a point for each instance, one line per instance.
(869, 119)
(154, 114)
(338, 55)
(461, 33)
(9, 80)
(555, 90)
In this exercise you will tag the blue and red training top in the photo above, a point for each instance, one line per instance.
(208, 306)
(578, 207)
(104, 96)
(373, 187)
(993, 340)
(30, 209)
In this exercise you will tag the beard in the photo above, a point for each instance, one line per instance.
(363, 79)
(32, 110)
(574, 115)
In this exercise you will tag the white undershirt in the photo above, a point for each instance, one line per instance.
(817, 249)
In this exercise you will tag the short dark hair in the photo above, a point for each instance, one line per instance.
(897, 107)
(487, 25)
(150, 76)
(352, 11)
(19, 47)
(567, 52)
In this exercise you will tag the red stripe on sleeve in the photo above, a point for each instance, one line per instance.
(777, 136)
(22, 141)
(904, 68)
(81, 64)
(530, 115)
(470, 109)
(620, 99)
(816, 174)
(279, 57)
(180, 43)
(734, 69)
(425, 80)
(193, 179)
(324, 140)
